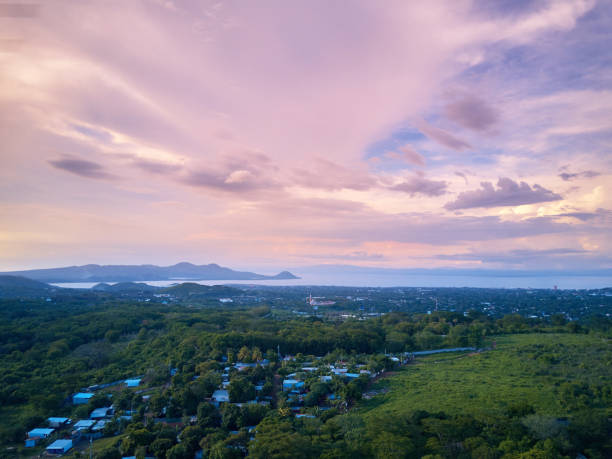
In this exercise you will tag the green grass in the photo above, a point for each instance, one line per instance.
(523, 368)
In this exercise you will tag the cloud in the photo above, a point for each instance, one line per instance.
(157, 167)
(442, 137)
(512, 256)
(568, 176)
(418, 184)
(408, 154)
(472, 112)
(82, 168)
(507, 193)
(462, 175)
(357, 255)
(330, 176)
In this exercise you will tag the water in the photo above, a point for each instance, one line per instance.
(400, 280)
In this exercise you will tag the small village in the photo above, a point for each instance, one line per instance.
(305, 387)
(300, 386)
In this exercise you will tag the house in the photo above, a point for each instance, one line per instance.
(35, 435)
(292, 384)
(326, 378)
(82, 398)
(40, 433)
(58, 422)
(84, 424)
(31, 442)
(99, 413)
(59, 447)
(99, 426)
(220, 396)
(133, 382)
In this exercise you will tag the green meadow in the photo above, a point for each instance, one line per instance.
(554, 373)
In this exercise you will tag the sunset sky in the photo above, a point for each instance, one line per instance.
(276, 134)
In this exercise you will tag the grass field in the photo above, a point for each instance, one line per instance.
(527, 368)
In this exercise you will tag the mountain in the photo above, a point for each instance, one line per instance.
(17, 286)
(131, 273)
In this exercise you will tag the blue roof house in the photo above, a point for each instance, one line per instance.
(292, 384)
(58, 422)
(133, 382)
(59, 447)
(40, 433)
(82, 398)
(99, 413)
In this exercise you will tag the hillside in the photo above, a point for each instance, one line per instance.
(15, 286)
(539, 370)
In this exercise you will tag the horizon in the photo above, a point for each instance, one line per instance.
(457, 136)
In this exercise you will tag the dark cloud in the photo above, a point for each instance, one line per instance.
(584, 216)
(231, 181)
(473, 113)
(567, 176)
(507, 193)
(82, 168)
(420, 185)
(443, 137)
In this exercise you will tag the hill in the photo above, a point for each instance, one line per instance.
(17, 286)
(131, 273)
(190, 289)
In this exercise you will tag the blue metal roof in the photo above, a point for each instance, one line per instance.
(40, 432)
(60, 444)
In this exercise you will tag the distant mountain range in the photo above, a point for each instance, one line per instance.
(130, 273)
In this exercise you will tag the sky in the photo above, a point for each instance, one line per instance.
(275, 134)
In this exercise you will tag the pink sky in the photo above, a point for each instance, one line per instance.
(276, 134)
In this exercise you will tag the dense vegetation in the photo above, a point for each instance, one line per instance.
(542, 391)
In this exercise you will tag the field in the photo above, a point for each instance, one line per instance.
(543, 370)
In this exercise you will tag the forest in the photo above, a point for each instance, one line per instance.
(521, 387)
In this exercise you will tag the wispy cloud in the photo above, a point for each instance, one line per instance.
(443, 137)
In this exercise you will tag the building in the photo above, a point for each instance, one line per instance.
(82, 398)
(58, 422)
(84, 425)
(40, 433)
(220, 396)
(35, 435)
(133, 382)
(59, 447)
(99, 413)
(292, 384)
